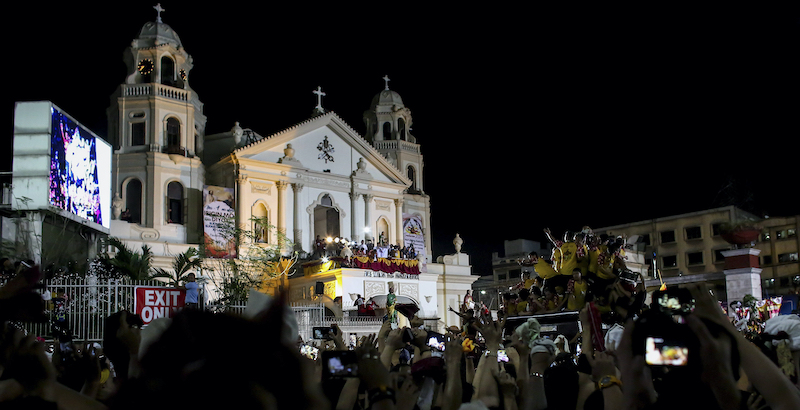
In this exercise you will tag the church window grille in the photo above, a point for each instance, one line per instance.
(387, 130)
(138, 133)
(401, 129)
(133, 201)
(412, 175)
(167, 71)
(175, 203)
(173, 133)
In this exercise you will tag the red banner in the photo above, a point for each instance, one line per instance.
(153, 302)
(387, 265)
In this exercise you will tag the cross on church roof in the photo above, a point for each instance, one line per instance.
(159, 9)
(319, 94)
(386, 79)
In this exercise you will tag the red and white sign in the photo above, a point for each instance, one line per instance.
(153, 302)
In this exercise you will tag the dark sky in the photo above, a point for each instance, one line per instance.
(527, 118)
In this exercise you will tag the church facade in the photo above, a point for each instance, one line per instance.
(314, 180)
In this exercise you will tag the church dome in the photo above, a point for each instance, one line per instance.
(387, 98)
(156, 33)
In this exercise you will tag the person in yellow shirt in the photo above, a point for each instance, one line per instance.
(510, 304)
(576, 291)
(552, 300)
(523, 302)
(527, 280)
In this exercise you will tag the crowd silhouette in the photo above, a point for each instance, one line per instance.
(199, 359)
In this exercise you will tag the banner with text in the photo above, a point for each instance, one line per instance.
(413, 235)
(153, 302)
(219, 221)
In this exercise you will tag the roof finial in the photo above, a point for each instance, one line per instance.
(319, 94)
(386, 79)
(159, 9)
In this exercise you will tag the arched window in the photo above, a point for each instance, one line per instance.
(175, 203)
(401, 129)
(167, 71)
(326, 218)
(173, 133)
(383, 232)
(260, 223)
(412, 175)
(133, 202)
(387, 130)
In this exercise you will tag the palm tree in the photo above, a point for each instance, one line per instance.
(183, 264)
(128, 262)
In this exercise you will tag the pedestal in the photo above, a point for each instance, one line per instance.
(742, 273)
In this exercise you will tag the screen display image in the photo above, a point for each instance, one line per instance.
(78, 168)
(310, 352)
(436, 341)
(340, 363)
(661, 352)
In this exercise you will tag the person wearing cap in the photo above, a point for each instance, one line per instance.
(191, 289)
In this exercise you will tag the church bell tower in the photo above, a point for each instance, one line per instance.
(156, 126)
(388, 123)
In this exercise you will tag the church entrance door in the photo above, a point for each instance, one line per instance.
(326, 222)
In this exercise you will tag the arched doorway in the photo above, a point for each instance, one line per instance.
(326, 219)
(260, 223)
(383, 232)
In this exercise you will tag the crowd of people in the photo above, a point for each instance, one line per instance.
(199, 359)
(581, 268)
(344, 248)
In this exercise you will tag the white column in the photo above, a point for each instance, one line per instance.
(354, 231)
(398, 208)
(368, 216)
(241, 183)
(298, 231)
(281, 223)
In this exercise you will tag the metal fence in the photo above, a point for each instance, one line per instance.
(82, 304)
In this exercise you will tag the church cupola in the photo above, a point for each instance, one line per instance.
(388, 118)
(157, 55)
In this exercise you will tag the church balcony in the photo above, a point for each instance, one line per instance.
(157, 90)
(176, 150)
(397, 144)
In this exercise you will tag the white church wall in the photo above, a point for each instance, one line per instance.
(368, 284)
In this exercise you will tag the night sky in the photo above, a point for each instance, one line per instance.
(527, 118)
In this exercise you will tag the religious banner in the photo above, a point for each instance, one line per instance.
(219, 222)
(413, 236)
(153, 302)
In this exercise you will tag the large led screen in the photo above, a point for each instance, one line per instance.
(80, 171)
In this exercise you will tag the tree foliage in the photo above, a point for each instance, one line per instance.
(129, 262)
(258, 261)
(183, 264)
